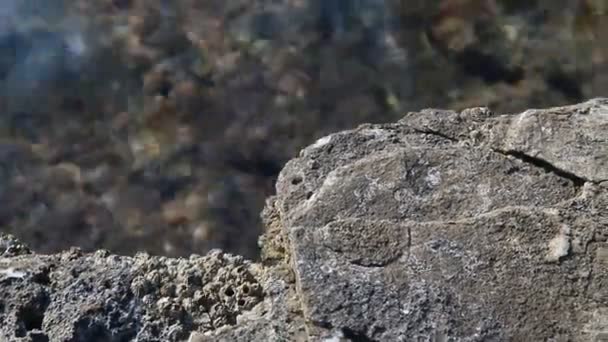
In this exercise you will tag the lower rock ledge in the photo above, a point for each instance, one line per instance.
(74, 296)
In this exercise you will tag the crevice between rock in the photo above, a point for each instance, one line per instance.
(435, 133)
(578, 181)
(545, 165)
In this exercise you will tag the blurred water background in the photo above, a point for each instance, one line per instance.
(160, 126)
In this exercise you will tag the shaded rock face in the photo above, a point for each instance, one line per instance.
(445, 226)
(454, 226)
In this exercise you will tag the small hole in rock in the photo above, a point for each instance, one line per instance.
(296, 180)
(355, 336)
(245, 289)
(31, 315)
(241, 302)
(309, 195)
(42, 278)
(241, 270)
(38, 337)
(30, 318)
(229, 292)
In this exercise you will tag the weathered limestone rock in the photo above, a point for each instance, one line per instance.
(444, 226)
(454, 226)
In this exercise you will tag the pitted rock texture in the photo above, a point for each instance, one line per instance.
(454, 226)
(103, 297)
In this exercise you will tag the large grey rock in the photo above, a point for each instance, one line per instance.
(454, 227)
(445, 226)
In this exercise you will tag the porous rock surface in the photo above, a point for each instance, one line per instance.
(445, 226)
(103, 297)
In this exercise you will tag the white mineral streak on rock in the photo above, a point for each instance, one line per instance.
(559, 246)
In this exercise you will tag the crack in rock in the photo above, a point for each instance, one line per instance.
(545, 165)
